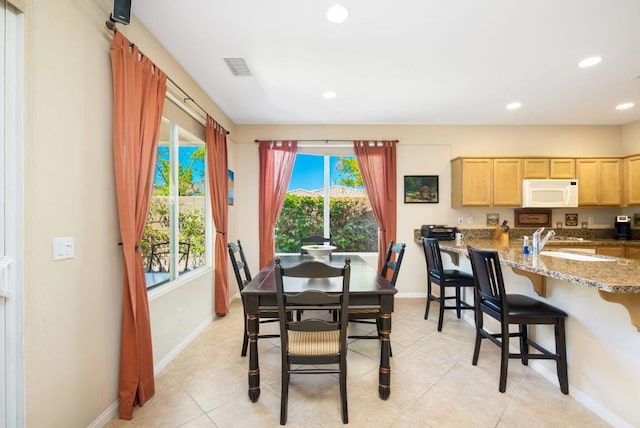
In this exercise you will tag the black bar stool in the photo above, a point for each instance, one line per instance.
(451, 278)
(492, 300)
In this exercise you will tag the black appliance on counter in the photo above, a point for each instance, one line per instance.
(440, 232)
(623, 227)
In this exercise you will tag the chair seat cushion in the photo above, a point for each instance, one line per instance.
(520, 305)
(525, 306)
(314, 342)
(453, 276)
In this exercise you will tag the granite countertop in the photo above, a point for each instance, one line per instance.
(614, 275)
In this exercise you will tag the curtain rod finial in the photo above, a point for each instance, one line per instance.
(111, 25)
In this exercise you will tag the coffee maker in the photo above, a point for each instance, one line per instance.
(623, 227)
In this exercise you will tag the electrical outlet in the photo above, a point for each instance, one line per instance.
(460, 220)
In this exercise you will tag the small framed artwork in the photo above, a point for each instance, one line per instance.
(421, 189)
(231, 187)
(571, 219)
(532, 217)
(493, 219)
(636, 220)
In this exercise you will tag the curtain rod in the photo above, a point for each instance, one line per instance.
(112, 26)
(327, 141)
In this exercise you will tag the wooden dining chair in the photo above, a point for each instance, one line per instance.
(390, 270)
(492, 300)
(243, 277)
(313, 240)
(444, 278)
(312, 343)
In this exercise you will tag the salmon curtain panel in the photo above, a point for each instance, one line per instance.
(276, 165)
(138, 97)
(216, 141)
(377, 163)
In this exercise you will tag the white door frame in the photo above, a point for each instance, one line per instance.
(11, 217)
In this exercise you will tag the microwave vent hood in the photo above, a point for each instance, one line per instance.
(550, 193)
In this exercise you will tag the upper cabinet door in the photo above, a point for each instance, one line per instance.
(471, 182)
(562, 168)
(535, 168)
(599, 181)
(610, 182)
(632, 180)
(507, 182)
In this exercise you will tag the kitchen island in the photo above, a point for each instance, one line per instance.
(603, 343)
(612, 274)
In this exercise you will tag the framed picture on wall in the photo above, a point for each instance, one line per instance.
(571, 219)
(421, 189)
(231, 190)
(493, 219)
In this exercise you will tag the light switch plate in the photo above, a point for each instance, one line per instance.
(63, 248)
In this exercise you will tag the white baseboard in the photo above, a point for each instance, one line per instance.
(581, 397)
(106, 416)
(112, 411)
(180, 346)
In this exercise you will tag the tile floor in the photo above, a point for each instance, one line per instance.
(433, 383)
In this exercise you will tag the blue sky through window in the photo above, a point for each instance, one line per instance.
(308, 172)
(184, 159)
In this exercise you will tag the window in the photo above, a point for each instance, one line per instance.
(174, 240)
(326, 197)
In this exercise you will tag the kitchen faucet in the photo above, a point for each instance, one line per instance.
(538, 242)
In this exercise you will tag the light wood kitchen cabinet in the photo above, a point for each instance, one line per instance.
(599, 181)
(535, 169)
(541, 168)
(613, 251)
(507, 182)
(632, 180)
(471, 182)
(562, 168)
(633, 253)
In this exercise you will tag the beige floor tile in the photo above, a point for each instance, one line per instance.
(433, 383)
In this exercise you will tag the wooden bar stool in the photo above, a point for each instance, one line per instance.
(445, 278)
(524, 311)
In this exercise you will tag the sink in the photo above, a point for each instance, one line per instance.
(572, 256)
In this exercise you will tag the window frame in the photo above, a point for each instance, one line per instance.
(177, 278)
(326, 153)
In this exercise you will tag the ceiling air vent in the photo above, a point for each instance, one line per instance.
(238, 66)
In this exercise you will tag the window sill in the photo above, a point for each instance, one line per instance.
(183, 279)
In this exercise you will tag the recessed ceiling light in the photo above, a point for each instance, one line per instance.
(337, 14)
(514, 106)
(624, 106)
(589, 62)
(329, 94)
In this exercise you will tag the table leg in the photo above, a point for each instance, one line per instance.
(254, 369)
(384, 382)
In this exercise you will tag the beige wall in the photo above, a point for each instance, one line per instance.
(631, 138)
(73, 307)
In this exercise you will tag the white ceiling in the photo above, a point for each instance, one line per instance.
(408, 61)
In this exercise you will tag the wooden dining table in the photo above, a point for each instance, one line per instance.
(368, 289)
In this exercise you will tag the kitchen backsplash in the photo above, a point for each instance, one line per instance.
(519, 232)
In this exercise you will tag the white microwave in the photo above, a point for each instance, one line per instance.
(549, 193)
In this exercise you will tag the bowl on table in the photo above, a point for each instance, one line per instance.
(318, 252)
